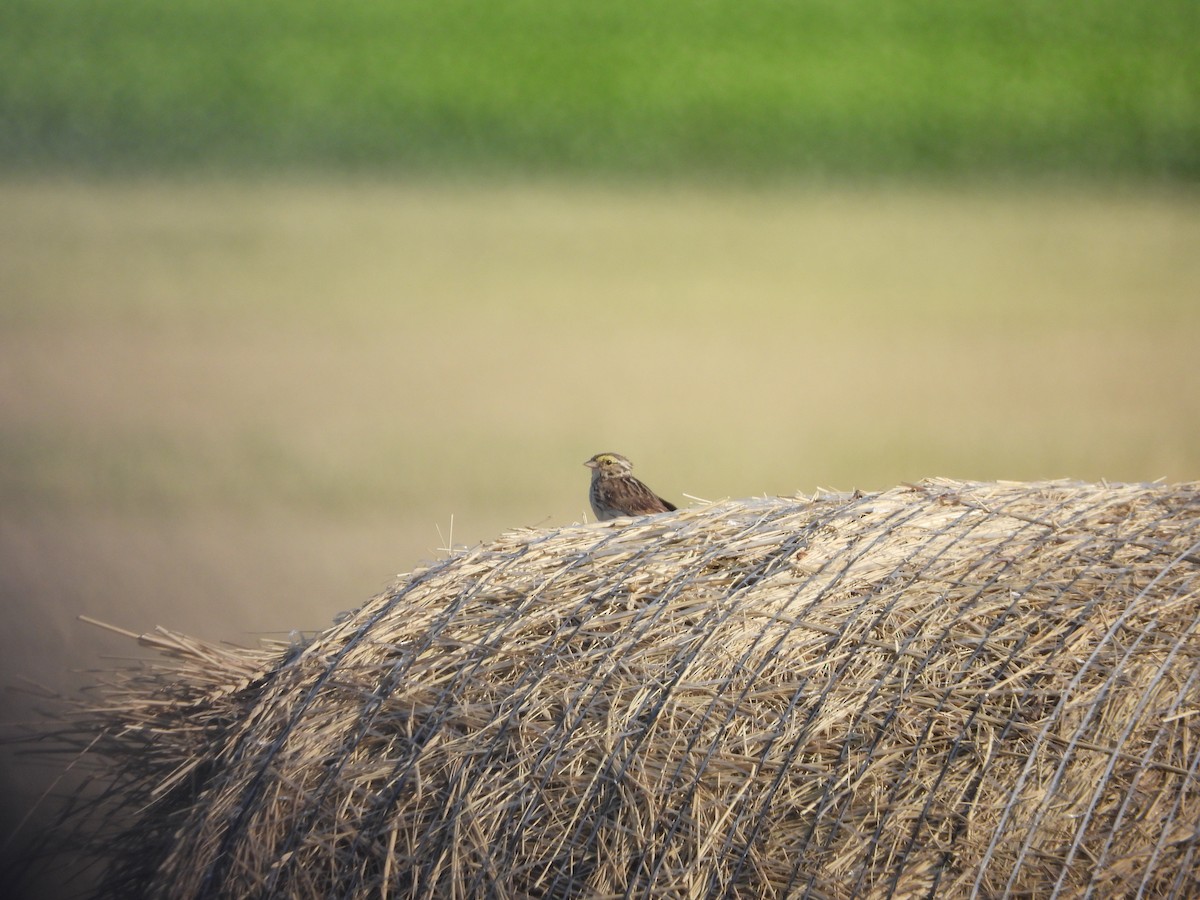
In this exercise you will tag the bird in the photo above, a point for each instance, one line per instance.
(615, 492)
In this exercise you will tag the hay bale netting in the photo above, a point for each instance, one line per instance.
(944, 689)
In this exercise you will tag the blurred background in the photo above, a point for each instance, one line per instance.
(295, 296)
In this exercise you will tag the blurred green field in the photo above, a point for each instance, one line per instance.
(735, 89)
(238, 408)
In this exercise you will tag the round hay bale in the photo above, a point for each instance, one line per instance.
(946, 689)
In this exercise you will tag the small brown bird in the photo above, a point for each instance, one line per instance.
(615, 492)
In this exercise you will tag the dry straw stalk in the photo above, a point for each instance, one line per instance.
(948, 689)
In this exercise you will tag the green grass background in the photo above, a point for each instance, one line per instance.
(737, 88)
(294, 296)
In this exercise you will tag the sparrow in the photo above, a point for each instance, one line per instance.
(615, 492)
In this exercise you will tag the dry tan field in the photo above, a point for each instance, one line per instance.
(237, 409)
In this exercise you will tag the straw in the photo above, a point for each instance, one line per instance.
(945, 689)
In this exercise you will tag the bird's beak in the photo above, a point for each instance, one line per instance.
(592, 464)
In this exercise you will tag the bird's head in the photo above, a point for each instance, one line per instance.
(609, 464)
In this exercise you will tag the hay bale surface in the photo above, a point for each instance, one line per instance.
(945, 689)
